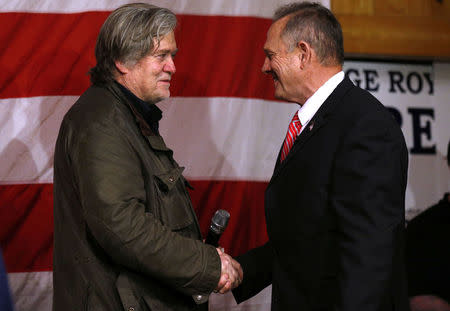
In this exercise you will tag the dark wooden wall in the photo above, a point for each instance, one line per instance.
(415, 29)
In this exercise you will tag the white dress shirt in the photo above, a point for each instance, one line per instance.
(310, 107)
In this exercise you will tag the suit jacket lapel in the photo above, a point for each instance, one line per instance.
(322, 116)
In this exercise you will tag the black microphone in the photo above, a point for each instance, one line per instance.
(218, 224)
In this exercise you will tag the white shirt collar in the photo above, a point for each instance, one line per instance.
(310, 107)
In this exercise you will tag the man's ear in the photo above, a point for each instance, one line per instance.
(121, 67)
(304, 53)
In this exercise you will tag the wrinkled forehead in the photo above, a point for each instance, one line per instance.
(274, 33)
(166, 42)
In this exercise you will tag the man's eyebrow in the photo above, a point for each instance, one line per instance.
(165, 51)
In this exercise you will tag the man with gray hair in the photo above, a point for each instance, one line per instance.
(126, 235)
(335, 203)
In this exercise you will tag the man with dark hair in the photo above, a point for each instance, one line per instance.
(126, 235)
(335, 204)
(428, 256)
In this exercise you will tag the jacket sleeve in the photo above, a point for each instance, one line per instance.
(110, 178)
(257, 267)
(368, 188)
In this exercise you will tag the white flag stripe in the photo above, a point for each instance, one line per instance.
(259, 302)
(263, 8)
(225, 138)
(244, 135)
(28, 135)
(32, 290)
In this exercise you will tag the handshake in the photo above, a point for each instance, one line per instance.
(231, 274)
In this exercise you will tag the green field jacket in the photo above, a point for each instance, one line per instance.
(125, 233)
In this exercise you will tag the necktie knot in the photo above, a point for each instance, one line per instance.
(293, 131)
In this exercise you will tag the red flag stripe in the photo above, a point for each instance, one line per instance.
(50, 54)
(26, 219)
(26, 226)
(244, 200)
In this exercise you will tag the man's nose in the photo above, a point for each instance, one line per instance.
(266, 66)
(170, 65)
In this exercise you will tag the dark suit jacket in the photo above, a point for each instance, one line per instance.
(427, 256)
(335, 213)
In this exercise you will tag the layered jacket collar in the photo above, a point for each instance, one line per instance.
(154, 139)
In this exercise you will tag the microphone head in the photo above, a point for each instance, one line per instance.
(220, 221)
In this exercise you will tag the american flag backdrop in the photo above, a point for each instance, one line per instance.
(213, 121)
(222, 122)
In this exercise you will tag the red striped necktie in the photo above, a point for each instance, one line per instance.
(294, 130)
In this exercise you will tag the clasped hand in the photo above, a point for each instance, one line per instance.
(231, 275)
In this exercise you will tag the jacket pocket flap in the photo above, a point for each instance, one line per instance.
(167, 181)
(157, 143)
(135, 290)
(163, 300)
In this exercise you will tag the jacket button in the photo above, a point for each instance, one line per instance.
(171, 179)
(131, 309)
